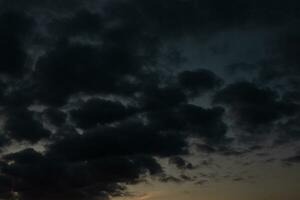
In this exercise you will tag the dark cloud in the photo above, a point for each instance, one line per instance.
(74, 68)
(198, 82)
(46, 5)
(197, 121)
(293, 159)
(60, 60)
(40, 176)
(284, 63)
(25, 156)
(180, 163)
(288, 131)
(4, 140)
(228, 151)
(224, 149)
(185, 17)
(279, 70)
(187, 178)
(81, 24)
(18, 94)
(55, 116)
(128, 138)
(206, 123)
(22, 126)
(205, 148)
(202, 182)
(99, 111)
(15, 30)
(156, 98)
(241, 67)
(282, 70)
(238, 179)
(6, 185)
(254, 107)
(173, 179)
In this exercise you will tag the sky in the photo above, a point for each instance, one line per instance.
(149, 100)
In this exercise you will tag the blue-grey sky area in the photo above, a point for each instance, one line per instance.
(149, 100)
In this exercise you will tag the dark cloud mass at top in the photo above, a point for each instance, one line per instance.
(87, 81)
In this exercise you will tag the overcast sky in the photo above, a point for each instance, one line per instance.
(149, 100)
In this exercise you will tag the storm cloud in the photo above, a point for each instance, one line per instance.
(85, 88)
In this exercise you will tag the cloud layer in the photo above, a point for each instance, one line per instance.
(88, 82)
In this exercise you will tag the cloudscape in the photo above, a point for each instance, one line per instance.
(149, 100)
